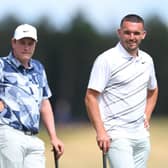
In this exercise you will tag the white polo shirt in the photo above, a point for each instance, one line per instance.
(123, 81)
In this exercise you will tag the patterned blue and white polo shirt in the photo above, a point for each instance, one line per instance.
(22, 90)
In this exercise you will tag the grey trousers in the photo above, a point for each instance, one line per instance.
(129, 153)
(18, 150)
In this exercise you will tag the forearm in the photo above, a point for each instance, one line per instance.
(151, 102)
(48, 118)
(94, 113)
(103, 140)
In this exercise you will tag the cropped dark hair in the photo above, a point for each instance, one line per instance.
(132, 18)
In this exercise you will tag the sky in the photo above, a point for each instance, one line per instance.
(104, 15)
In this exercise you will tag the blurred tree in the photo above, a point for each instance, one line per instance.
(8, 24)
(81, 45)
(156, 44)
(68, 56)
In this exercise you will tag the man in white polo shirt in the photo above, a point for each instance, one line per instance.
(121, 95)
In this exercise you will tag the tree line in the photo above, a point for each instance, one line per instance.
(68, 56)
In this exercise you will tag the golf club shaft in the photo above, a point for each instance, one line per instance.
(104, 160)
(55, 158)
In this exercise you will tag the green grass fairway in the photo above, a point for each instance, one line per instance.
(81, 150)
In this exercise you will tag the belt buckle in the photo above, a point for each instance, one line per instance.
(28, 133)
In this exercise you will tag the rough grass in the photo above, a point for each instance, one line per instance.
(81, 150)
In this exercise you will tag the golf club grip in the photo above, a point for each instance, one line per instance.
(104, 160)
(55, 158)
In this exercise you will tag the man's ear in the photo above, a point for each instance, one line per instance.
(118, 32)
(144, 34)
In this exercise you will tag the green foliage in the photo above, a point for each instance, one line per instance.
(68, 56)
(156, 44)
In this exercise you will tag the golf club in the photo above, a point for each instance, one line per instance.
(55, 158)
(104, 160)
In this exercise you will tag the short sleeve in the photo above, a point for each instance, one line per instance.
(46, 89)
(99, 74)
(152, 84)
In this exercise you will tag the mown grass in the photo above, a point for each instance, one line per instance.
(81, 150)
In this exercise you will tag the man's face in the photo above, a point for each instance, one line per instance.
(131, 34)
(23, 49)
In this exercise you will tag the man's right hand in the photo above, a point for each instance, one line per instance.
(103, 141)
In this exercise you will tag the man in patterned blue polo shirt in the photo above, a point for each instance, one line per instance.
(24, 97)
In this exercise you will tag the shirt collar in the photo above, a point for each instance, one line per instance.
(126, 55)
(16, 62)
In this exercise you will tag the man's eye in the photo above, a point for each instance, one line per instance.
(137, 33)
(129, 33)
